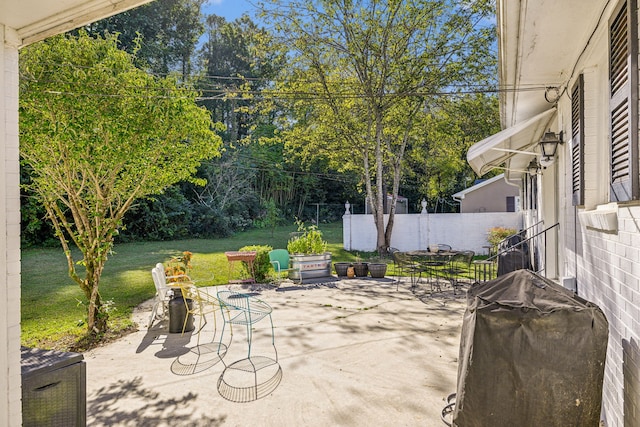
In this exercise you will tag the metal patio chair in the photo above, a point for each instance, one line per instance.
(279, 259)
(254, 376)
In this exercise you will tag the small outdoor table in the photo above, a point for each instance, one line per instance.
(247, 256)
(431, 262)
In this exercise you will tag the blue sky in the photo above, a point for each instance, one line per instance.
(229, 9)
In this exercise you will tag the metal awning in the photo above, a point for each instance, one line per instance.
(509, 143)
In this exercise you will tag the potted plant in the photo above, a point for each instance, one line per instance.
(341, 268)
(377, 269)
(308, 254)
(361, 268)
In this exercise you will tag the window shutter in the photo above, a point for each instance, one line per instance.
(511, 204)
(623, 61)
(577, 150)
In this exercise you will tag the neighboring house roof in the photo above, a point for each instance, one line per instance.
(460, 195)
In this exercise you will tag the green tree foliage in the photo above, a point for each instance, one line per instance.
(97, 133)
(437, 164)
(240, 61)
(237, 62)
(363, 73)
(169, 30)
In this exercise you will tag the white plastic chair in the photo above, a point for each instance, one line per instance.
(163, 294)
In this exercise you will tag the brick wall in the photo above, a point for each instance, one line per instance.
(10, 383)
(608, 274)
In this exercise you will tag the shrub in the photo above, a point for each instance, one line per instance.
(261, 265)
(498, 234)
(307, 241)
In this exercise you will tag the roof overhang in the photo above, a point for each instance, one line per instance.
(539, 45)
(35, 20)
(510, 145)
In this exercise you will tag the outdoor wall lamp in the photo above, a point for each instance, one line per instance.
(549, 145)
(533, 167)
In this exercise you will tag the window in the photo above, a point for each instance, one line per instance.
(577, 149)
(623, 102)
(511, 204)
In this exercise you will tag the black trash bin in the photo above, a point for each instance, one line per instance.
(53, 388)
(532, 353)
(177, 314)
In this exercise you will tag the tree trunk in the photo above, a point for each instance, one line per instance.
(96, 316)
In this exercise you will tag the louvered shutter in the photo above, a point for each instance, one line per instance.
(623, 102)
(577, 150)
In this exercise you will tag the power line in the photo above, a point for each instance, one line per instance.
(263, 95)
(236, 93)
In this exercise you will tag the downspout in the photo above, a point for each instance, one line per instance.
(459, 200)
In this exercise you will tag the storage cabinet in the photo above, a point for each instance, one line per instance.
(53, 388)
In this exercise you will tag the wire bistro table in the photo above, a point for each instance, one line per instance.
(433, 264)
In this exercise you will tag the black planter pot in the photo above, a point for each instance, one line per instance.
(377, 270)
(341, 268)
(361, 269)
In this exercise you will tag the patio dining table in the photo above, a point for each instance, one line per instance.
(431, 263)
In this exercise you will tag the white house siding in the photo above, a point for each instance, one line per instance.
(605, 263)
(10, 394)
(608, 274)
(466, 231)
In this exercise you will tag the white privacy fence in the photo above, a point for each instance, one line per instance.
(466, 231)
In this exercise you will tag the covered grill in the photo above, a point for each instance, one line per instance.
(531, 353)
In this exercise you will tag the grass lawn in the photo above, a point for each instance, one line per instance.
(53, 312)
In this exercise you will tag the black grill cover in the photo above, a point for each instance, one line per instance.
(531, 354)
(512, 260)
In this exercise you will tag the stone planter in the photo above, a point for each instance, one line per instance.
(361, 268)
(377, 270)
(310, 266)
(341, 268)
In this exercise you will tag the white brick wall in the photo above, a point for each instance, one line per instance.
(10, 380)
(608, 274)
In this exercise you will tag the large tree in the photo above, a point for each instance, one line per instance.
(363, 72)
(96, 134)
(164, 34)
(237, 62)
(437, 164)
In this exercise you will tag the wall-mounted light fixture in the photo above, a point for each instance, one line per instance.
(549, 145)
(533, 167)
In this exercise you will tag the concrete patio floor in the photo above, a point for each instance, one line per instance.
(352, 352)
